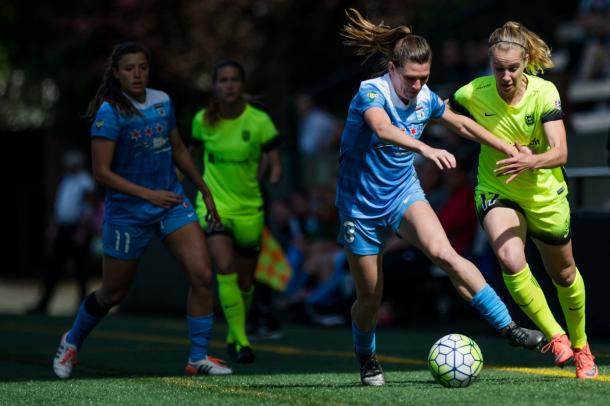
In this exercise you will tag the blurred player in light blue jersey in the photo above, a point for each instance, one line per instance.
(378, 187)
(135, 145)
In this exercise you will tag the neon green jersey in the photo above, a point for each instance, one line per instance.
(232, 151)
(520, 124)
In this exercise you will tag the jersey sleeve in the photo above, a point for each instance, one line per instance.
(368, 97)
(270, 138)
(106, 123)
(460, 100)
(197, 127)
(551, 103)
(437, 106)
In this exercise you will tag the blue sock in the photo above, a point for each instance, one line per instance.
(84, 323)
(489, 304)
(364, 342)
(200, 328)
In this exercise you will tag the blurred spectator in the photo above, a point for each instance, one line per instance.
(69, 231)
(594, 21)
(318, 129)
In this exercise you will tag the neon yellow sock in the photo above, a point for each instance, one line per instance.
(233, 307)
(526, 292)
(248, 296)
(572, 299)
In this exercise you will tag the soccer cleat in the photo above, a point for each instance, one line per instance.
(585, 363)
(232, 350)
(560, 346)
(371, 373)
(245, 355)
(522, 337)
(65, 358)
(208, 366)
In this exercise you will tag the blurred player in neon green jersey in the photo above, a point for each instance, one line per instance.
(238, 140)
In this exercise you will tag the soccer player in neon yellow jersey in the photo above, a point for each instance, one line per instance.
(527, 194)
(238, 141)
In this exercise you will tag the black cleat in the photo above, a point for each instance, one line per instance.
(232, 350)
(245, 355)
(523, 337)
(371, 373)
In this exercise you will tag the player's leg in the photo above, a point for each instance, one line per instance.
(559, 263)
(421, 227)
(368, 281)
(123, 246)
(187, 244)
(362, 240)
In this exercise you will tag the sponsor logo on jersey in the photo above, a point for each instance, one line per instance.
(99, 123)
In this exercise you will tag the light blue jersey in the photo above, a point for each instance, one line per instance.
(375, 177)
(142, 155)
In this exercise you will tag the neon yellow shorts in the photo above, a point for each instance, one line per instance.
(246, 230)
(549, 223)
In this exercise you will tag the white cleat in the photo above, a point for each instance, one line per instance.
(208, 366)
(65, 358)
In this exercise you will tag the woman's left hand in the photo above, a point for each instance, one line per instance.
(516, 164)
(212, 218)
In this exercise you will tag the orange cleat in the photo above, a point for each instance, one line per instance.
(585, 363)
(561, 347)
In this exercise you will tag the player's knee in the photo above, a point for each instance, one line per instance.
(443, 255)
(511, 260)
(566, 276)
(201, 277)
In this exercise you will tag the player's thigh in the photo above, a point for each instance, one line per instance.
(506, 229)
(422, 228)
(187, 245)
(247, 234)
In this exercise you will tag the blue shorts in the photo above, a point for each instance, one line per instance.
(366, 236)
(129, 242)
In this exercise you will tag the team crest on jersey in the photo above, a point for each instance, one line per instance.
(372, 95)
(99, 123)
(160, 109)
(419, 112)
(529, 119)
(245, 135)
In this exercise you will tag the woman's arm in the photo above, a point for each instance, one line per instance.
(102, 152)
(471, 130)
(379, 121)
(184, 162)
(556, 155)
(272, 158)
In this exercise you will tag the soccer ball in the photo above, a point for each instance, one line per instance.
(455, 361)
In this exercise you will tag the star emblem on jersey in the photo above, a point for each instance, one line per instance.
(148, 131)
(159, 127)
(135, 135)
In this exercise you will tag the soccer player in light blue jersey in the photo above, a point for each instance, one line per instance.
(135, 145)
(378, 189)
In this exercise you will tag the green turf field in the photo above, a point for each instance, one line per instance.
(140, 361)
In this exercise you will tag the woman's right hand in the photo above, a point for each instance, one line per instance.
(442, 158)
(163, 198)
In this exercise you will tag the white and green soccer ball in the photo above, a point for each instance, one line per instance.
(455, 361)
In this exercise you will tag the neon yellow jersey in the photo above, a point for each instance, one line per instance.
(232, 151)
(520, 124)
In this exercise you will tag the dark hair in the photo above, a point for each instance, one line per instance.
(398, 44)
(212, 113)
(110, 88)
